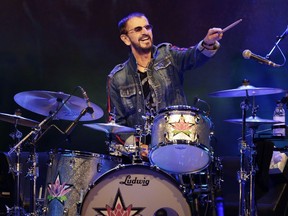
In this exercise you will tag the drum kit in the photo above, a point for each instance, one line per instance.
(246, 174)
(181, 173)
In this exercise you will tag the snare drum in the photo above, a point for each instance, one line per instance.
(135, 190)
(180, 140)
(69, 175)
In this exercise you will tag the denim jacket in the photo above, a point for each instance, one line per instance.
(165, 75)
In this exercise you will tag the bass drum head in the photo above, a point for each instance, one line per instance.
(135, 190)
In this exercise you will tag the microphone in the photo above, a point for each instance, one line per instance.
(85, 96)
(247, 54)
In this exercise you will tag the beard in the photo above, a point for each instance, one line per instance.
(146, 48)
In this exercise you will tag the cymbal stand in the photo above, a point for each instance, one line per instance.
(35, 135)
(16, 209)
(33, 174)
(252, 173)
(242, 175)
(247, 171)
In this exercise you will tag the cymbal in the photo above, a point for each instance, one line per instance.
(254, 120)
(19, 120)
(47, 102)
(245, 90)
(110, 128)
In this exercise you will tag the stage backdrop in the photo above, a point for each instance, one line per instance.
(58, 45)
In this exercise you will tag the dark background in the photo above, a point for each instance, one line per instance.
(58, 45)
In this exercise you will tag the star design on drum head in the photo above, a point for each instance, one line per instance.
(57, 190)
(182, 126)
(118, 208)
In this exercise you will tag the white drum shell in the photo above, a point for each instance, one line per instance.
(142, 189)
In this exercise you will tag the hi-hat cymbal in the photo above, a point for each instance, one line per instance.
(18, 120)
(110, 128)
(246, 90)
(47, 102)
(254, 120)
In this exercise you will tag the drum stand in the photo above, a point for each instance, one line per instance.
(16, 169)
(33, 170)
(136, 158)
(247, 168)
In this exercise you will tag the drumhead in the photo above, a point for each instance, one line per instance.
(180, 158)
(135, 190)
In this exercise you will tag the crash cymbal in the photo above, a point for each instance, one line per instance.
(110, 128)
(47, 102)
(18, 120)
(246, 90)
(254, 120)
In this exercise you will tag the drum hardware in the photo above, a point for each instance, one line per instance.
(110, 129)
(246, 89)
(248, 166)
(67, 106)
(136, 157)
(53, 106)
(197, 100)
(16, 119)
(184, 134)
(16, 210)
(69, 177)
(247, 170)
(149, 118)
(34, 135)
(203, 189)
(254, 121)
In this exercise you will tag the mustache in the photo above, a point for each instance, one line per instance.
(144, 36)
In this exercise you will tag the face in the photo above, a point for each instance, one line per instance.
(139, 34)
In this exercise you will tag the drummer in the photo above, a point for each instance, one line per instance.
(152, 78)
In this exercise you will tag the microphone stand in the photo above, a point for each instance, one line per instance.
(71, 127)
(278, 41)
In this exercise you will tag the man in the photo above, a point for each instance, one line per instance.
(152, 78)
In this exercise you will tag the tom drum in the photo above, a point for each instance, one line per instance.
(180, 140)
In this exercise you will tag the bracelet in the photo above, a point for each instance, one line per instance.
(209, 46)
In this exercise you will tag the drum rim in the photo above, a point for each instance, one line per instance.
(179, 142)
(83, 154)
(203, 147)
(170, 178)
(179, 107)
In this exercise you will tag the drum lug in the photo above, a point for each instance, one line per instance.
(44, 210)
(72, 162)
(65, 212)
(99, 167)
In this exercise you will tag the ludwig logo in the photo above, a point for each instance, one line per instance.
(129, 181)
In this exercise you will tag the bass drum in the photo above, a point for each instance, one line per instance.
(70, 174)
(135, 190)
(180, 140)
